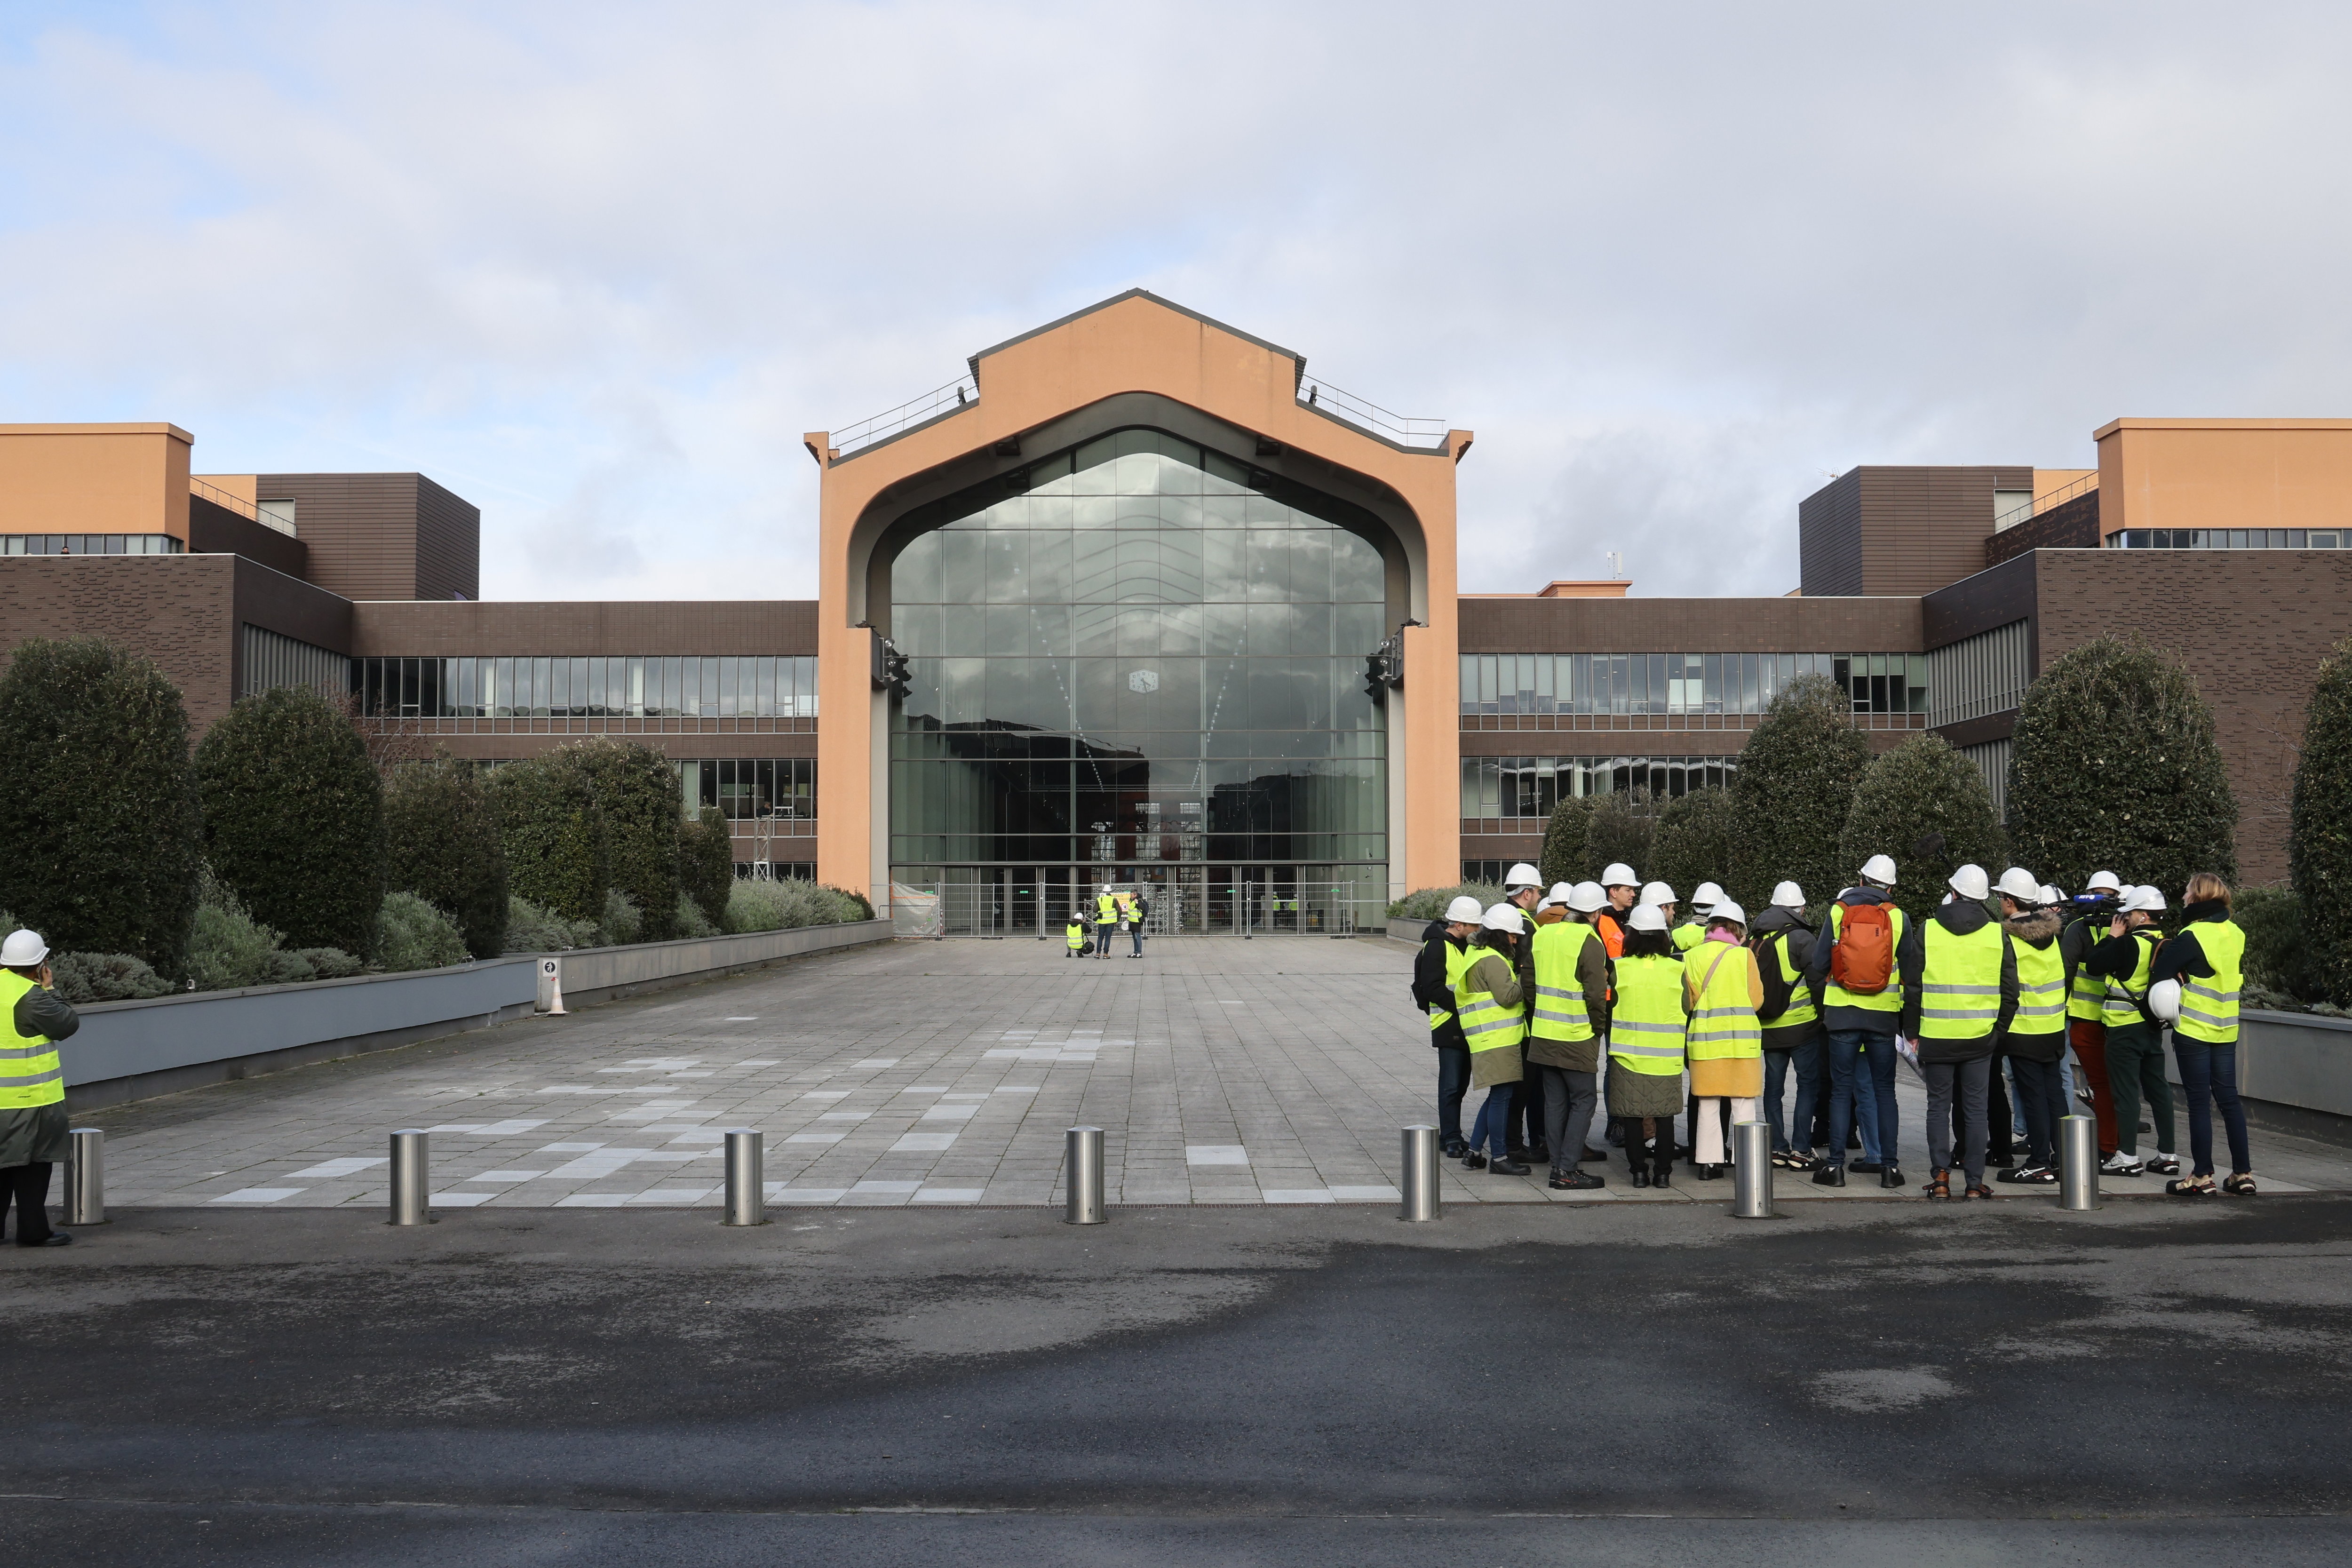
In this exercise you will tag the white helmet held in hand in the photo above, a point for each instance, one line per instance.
(23, 950)
(1587, 898)
(1620, 875)
(2019, 884)
(1706, 897)
(1647, 917)
(1465, 910)
(1789, 896)
(1505, 917)
(1879, 868)
(2164, 999)
(1522, 876)
(1970, 882)
(1655, 893)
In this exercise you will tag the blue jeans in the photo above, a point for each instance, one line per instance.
(1136, 931)
(1870, 1107)
(2209, 1077)
(1492, 1128)
(1453, 1083)
(1807, 1058)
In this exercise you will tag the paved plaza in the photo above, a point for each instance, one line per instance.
(1223, 1071)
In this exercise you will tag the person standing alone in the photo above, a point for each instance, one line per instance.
(33, 1132)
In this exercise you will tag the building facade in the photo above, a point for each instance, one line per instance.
(1137, 598)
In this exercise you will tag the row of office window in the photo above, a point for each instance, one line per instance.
(616, 687)
(751, 789)
(1530, 787)
(2231, 539)
(89, 544)
(1687, 683)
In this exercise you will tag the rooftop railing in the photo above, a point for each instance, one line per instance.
(1403, 430)
(960, 392)
(2042, 503)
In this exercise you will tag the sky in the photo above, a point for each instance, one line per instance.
(597, 267)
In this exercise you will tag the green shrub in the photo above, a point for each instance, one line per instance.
(1563, 845)
(1429, 904)
(97, 801)
(706, 853)
(2319, 849)
(228, 950)
(855, 906)
(1622, 826)
(1928, 806)
(441, 842)
(637, 796)
(329, 962)
(691, 920)
(294, 818)
(418, 936)
(623, 922)
(1790, 795)
(86, 977)
(2279, 958)
(554, 836)
(533, 929)
(1693, 843)
(788, 905)
(2115, 767)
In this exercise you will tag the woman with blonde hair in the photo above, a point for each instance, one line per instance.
(2207, 961)
(1722, 989)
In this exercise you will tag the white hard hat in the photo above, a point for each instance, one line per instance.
(1789, 896)
(2150, 900)
(1465, 908)
(1504, 917)
(1970, 882)
(1707, 896)
(1523, 876)
(1879, 868)
(1656, 893)
(2103, 882)
(1109, 888)
(2052, 896)
(2019, 884)
(2164, 999)
(1559, 895)
(1586, 898)
(23, 949)
(1725, 910)
(1620, 875)
(1647, 917)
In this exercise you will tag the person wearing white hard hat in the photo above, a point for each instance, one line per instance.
(2125, 964)
(33, 1124)
(1436, 972)
(1106, 920)
(1647, 1023)
(1790, 1017)
(2036, 1042)
(2004, 1129)
(1724, 1041)
(2086, 1027)
(1959, 983)
(1523, 888)
(1568, 1017)
(1495, 1027)
(2207, 960)
(1688, 933)
(1855, 972)
(1622, 889)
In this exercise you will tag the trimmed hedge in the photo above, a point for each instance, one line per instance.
(1791, 793)
(554, 836)
(1928, 806)
(1693, 844)
(1429, 904)
(441, 842)
(2319, 852)
(293, 816)
(1563, 845)
(706, 855)
(1621, 826)
(637, 795)
(418, 936)
(97, 801)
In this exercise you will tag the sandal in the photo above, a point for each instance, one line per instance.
(1976, 1190)
(2192, 1188)
(1800, 1159)
(2241, 1185)
(1938, 1186)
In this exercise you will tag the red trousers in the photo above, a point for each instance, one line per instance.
(2090, 1039)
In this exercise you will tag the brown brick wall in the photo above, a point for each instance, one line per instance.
(383, 536)
(2070, 525)
(448, 543)
(463, 630)
(177, 610)
(213, 530)
(1691, 626)
(1828, 538)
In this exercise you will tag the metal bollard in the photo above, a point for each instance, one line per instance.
(747, 1193)
(2078, 1163)
(1420, 1173)
(1751, 1170)
(412, 1188)
(1083, 1173)
(85, 1176)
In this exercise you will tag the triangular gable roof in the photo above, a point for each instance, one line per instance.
(1292, 354)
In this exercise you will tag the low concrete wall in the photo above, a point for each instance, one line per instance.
(1407, 931)
(2296, 1067)
(593, 975)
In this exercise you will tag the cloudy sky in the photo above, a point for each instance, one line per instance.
(597, 267)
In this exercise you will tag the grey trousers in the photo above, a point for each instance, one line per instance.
(1973, 1078)
(1569, 1099)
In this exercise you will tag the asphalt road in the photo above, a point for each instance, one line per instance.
(1963, 1385)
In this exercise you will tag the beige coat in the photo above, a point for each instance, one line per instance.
(1728, 1077)
(1494, 972)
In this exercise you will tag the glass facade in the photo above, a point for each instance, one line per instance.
(1689, 684)
(751, 789)
(1144, 653)
(91, 545)
(2231, 539)
(600, 689)
(1530, 787)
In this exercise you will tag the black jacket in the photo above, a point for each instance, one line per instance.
(1429, 987)
(2038, 930)
(42, 1012)
(2184, 955)
(1768, 930)
(1960, 917)
(1817, 972)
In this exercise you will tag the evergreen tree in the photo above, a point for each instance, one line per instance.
(294, 818)
(637, 796)
(1693, 843)
(706, 852)
(1563, 845)
(2319, 852)
(1621, 826)
(1791, 794)
(97, 802)
(554, 835)
(1928, 806)
(2115, 767)
(441, 842)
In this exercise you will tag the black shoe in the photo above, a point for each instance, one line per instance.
(1515, 1152)
(1507, 1168)
(1538, 1154)
(1866, 1167)
(2003, 1161)
(1456, 1150)
(1474, 1161)
(1641, 1175)
(1830, 1176)
(55, 1238)
(1593, 1156)
(1891, 1177)
(1710, 1173)
(1658, 1178)
(1573, 1181)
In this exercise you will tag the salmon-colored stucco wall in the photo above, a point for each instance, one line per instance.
(1136, 344)
(2225, 473)
(94, 479)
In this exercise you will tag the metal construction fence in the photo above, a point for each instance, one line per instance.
(1180, 905)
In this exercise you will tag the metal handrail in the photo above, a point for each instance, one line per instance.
(960, 392)
(1403, 429)
(219, 497)
(2041, 504)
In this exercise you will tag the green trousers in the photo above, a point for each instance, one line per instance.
(2136, 1067)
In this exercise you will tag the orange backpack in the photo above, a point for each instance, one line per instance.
(1863, 961)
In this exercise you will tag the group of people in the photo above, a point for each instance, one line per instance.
(1115, 909)
(1985, 999)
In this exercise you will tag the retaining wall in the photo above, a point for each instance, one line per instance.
(2294, 1066)
(595, 974)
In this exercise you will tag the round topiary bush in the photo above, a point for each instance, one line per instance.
(554, 835)
(2319, 853)
(1791, 791)
(97, 801)
(706, 855)
(1926, 806)
(637, 796)
(441, 842)
(1693, 843)
(1563, 845)
(1620, 825)
(2115, 767)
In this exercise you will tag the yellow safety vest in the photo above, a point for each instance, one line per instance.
(1687, 935)
(1487, 1024)
(1889, 1000)
(1560, 1011)
(1106, 910)
(1723, 1019)
(2120, 1006)
(1457, 962)
(30, 1073)
(1645, 1025)
(1077, 936)
(2040, 989)
(1959, 981)
(1801, 996)
(2085, 990)
(2209, 1004)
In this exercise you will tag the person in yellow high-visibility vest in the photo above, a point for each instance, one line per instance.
(1959, 988)
(2036, 1042)
(1076, 937)
(33, 1132)
(1724, 1040)
(2125, 964)
(1106, 920)
(2208, 960)
(1446, 953)
(1569, 1018)
(1494, 1026)
(1646, 1019)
